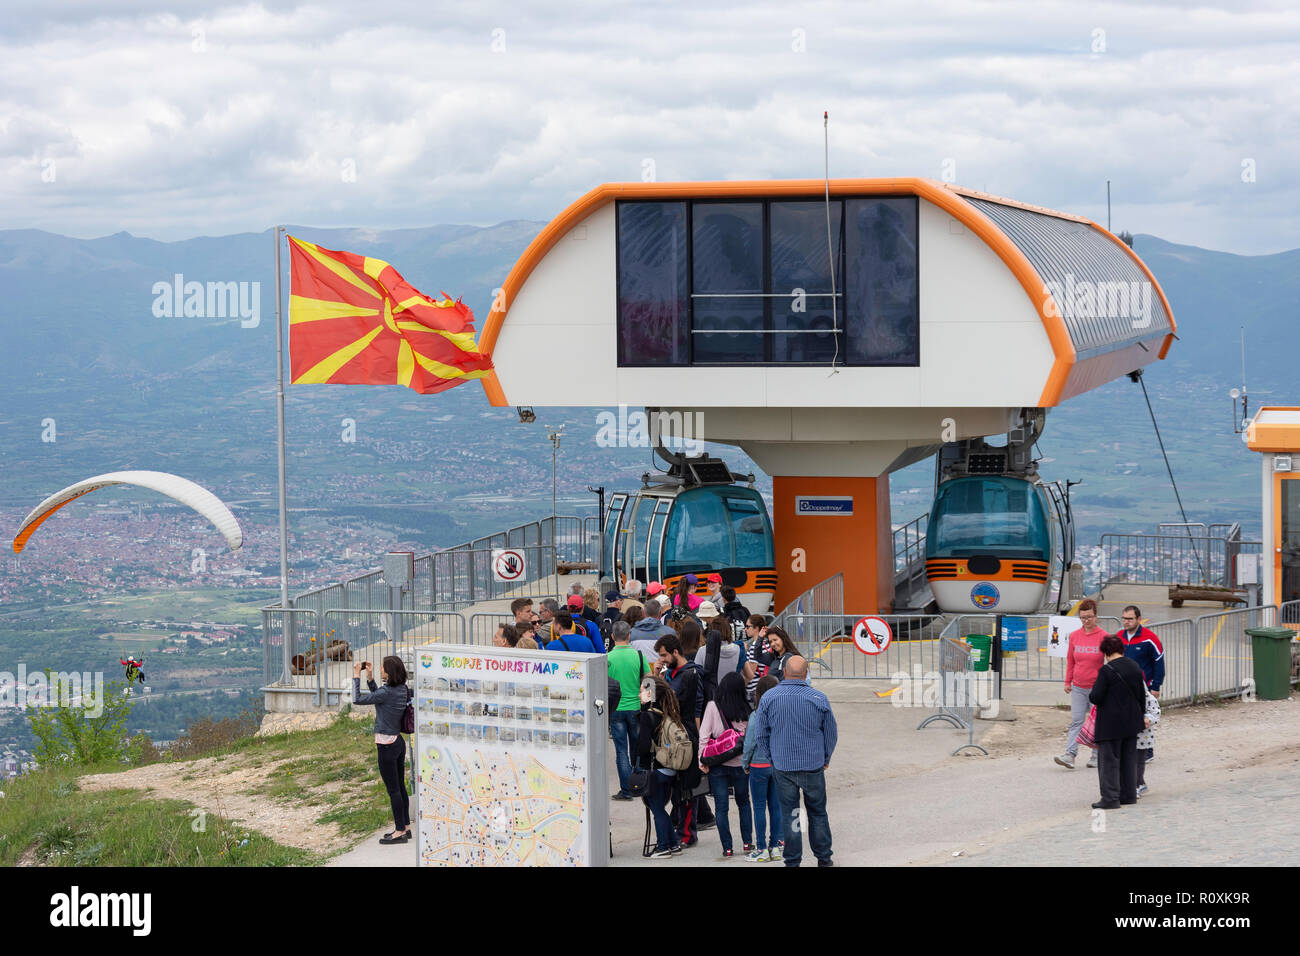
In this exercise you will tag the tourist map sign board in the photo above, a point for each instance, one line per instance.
(511, 757)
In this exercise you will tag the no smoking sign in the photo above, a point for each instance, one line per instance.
(871, 635)
(508, 565)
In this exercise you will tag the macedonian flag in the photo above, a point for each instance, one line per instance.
(354, 320)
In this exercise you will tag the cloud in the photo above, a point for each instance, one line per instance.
(228, 118)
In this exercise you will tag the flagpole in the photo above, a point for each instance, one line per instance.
(286, 626)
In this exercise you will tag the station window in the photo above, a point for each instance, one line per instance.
(750, 282)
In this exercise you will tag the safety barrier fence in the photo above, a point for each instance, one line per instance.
(960, 693)
(1037, 661)
(1212, 656)
(825, 597)
(1204, 559)
(295, 627)
(910, 556)
(826, 640)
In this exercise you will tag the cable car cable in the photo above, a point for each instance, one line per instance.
(1137, 377)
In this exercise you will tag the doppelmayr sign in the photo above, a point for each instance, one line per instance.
(823, 505)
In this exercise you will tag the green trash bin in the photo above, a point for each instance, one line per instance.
(1271, 647)
(981, 651)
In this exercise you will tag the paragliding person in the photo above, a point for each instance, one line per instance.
(134, 670)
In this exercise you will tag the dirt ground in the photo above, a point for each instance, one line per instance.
(898, 796)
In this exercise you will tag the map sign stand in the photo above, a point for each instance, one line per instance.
(510, 751)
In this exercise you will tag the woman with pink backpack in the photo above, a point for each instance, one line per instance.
(722, 740)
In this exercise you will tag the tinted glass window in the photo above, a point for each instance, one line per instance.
(883, 306)
(727, 276)
(801, 259)
(753, 534)
(698, 534)
(999, 516)
(653, 303)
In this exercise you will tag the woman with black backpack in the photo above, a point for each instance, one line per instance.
(658, 705)
(390, 703)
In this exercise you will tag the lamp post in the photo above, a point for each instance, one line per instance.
(554, 437)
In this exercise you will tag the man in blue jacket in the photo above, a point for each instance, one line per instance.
(1143, 647)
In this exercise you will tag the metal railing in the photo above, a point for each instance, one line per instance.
(1036, 662)
(959, 692)
(1211, 656)
(1170, 559)
(826, 640)
(483, 625)
(909, 556)
(294, 627)
(909, 543)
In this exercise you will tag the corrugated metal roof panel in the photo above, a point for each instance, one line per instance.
(1105, 298)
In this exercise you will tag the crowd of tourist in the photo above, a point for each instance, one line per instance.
(710, 706)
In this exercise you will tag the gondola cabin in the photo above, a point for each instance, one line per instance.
(696, 519)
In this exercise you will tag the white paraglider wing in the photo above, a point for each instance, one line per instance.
(173, 486)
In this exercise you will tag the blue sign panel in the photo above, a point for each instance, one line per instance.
(1015, 634)
(823, 505)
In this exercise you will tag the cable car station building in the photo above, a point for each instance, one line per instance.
(834, 341)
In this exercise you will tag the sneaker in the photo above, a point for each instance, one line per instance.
(758, 856)
(727, 854)
(1092, 761)
(663, 854)
(676, 848)
(825, 863)
(747, 847)
(1065, 760)
(622, 796)
(1142, 788)
(777, 852)
(1103, 805)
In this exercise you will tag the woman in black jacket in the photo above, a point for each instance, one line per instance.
(1120, 696)
(390, 705)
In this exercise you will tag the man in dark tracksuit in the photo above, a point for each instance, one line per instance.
(1142, 646)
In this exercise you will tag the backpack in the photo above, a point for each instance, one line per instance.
(408, 715)
(673, 748)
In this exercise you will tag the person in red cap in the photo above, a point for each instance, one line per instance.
(714, 584)
(653, 588)
(576, 605)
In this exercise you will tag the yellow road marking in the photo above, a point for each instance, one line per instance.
(1214, 637)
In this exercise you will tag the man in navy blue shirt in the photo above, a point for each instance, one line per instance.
(566, 637)
(576, 607)
(795, 724)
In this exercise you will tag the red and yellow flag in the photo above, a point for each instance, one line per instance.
(354, 320)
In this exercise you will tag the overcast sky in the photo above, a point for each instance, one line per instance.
(176, 120)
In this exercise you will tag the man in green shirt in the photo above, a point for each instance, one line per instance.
(627, 666)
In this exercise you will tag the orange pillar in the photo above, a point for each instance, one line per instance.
(826, 525)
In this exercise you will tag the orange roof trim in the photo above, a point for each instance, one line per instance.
(944, 195)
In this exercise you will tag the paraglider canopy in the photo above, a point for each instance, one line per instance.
(173, 486)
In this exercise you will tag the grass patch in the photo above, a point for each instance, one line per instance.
(49, 821)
